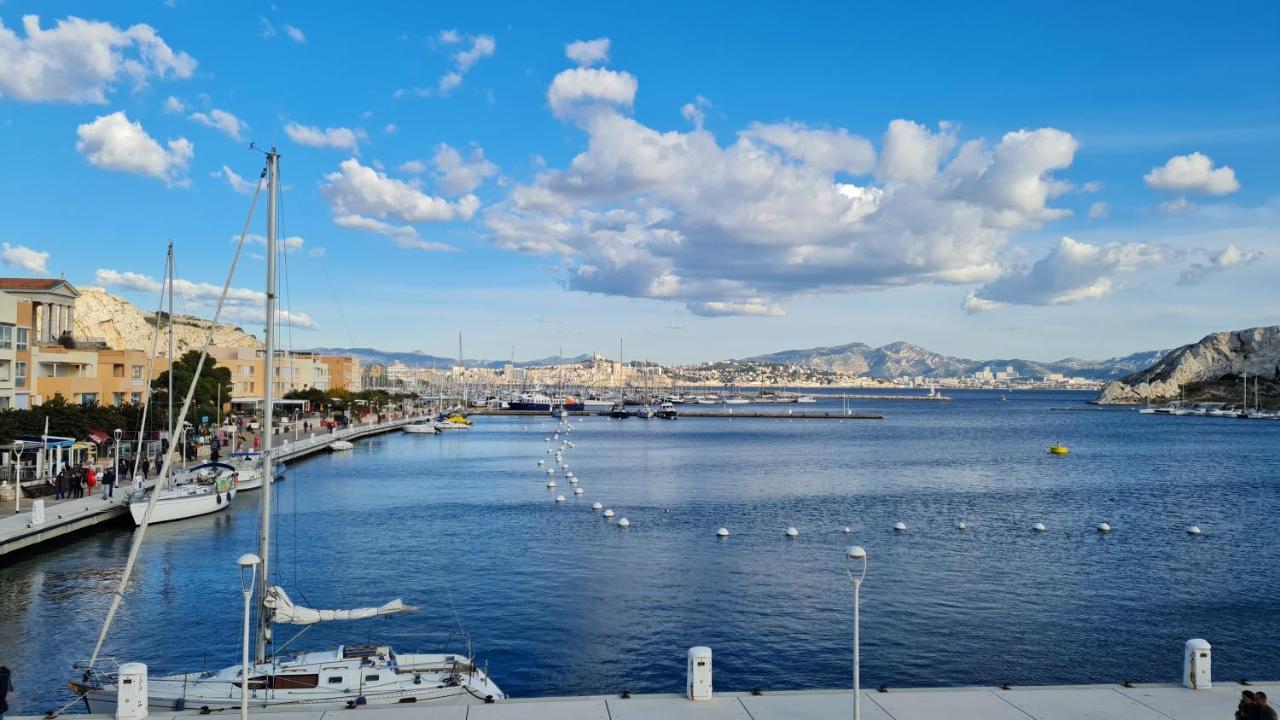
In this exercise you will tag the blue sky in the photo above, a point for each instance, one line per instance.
(706, 180)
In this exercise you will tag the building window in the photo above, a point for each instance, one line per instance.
(117, 399)
(137, 372)
(5, 403)
(135, 397)
(24, 338)
(20, 377)
(246, 371)
(117, 370)
(88, 398)
(6, 336)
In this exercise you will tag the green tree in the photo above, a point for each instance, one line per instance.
(214, 383)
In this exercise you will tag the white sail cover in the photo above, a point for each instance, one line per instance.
(284, 611)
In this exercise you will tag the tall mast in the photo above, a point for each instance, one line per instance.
(462, 373)
(173, 439)
(268, 403)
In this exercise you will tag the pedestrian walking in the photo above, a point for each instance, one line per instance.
(1265, 711)
(109, 484)
(6, 690)
(59, 482)
(146, 467)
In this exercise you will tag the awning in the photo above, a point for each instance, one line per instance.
(98, 435)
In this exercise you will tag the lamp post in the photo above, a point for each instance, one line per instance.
(248, 576)
(115, 469)
(856, 553)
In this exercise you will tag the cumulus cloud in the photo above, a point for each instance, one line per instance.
(222, 121)
(24, 258)
(291, 243)
(780, 209)
(588, 52)
(237, 183)
(479, 48)
(1071, 272)
(242, 304)
(295, 34)
(363, 198)
(413, 167)
(1228, 257)
(173, 105)
(1098, 210)
(1192, 173)
(457, 175)
(588, 86)
(112, 142)
(1177, 206)
(81, 61)
(333, 137)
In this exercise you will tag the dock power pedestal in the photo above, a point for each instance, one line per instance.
(131, 691)
(1197, 664)
(699, 673)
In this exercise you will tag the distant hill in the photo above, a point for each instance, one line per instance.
(902, 358)
(122, 326)
(369, 356)
(1209, 370)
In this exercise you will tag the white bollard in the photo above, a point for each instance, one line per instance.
(1197, 664)
(699, 673)
(37, 512)
(131, 691)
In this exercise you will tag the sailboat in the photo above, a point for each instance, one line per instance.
(345, 677)
(196, 491)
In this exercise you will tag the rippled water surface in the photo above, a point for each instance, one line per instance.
(559, 601)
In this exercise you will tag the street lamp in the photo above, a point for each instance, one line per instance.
(856, 553)
(115, 469)
(248, 575)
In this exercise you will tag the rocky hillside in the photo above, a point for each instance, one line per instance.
(1207, 369)
(124, 327)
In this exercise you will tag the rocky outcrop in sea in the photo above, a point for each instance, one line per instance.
(1255, 351)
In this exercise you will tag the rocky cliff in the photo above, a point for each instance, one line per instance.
(99, 314)
(1218, 358)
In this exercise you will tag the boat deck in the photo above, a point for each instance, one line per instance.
(1069, 702)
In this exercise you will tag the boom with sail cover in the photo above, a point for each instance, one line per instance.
(284, 611)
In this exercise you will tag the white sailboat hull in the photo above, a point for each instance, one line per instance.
(420, 429)
(182, 505)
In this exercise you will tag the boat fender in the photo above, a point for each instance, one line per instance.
(219, 498)
(488, 699)
(360, 700)
(417, 679)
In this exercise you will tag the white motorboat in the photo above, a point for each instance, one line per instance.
(422, 427)
(452, 424)
(645, 412)
(341, 445)
(248, 467)
(205, 489)
(667, 411)
(597, 405)
(806, 399)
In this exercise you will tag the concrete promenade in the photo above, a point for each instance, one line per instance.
(1069, 702)
(63, 518)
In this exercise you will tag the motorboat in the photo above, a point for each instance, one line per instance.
(341, 445)
(806, 399)
(619, 411)
(202, 490)
(421, 427)
(667, 411)
(453, 422)
(646, 412)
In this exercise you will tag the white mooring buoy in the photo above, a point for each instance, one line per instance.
(1193, 530)
(551, 471)
(722, 532)
(1104, 527)
(608, 513)
(899, 526)
(559, 498)
(578, 491)
(847, 530)
(961, 526)
(546, 439)
(624, 523)
(541, 463)
(792, 532)
(596, 506)
(1038, 527)
(551, 483)
(548, 451)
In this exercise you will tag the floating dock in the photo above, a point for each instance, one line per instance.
(66, 518)
(1070, 702)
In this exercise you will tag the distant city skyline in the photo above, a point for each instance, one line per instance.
(706, 182)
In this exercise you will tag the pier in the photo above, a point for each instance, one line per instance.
(66, 518)
(1063, 702)
(699, 414)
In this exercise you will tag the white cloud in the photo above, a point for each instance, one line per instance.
(363, 198)
(390, 129)
(1071, 272)
(588, 52)
(458, 176)
(782, 209)
(1192, 173)
(24, 258)
(413, 167)
(1228, 257)
(291, 243)
(333, 137)
(81, 61)
(237, 183)
(589, 86)
(481, 47)
(718, 308)
(222, 121)
(295, 34)
(973, 304)
(1098, 210)
(173, 105)
(265, 28)
(112, 142)
(242, 304)
(1177, 206)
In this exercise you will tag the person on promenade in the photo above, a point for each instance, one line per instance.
(1265, 711)
(6, 690)
(59, 482)
(108, 483)
(146, 467)
(1247, 709)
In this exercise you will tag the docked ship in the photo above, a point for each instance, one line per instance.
(539, 402)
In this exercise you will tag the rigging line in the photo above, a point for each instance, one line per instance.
(141, 531)
(351, 341)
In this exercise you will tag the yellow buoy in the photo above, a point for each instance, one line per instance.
(1058, 450)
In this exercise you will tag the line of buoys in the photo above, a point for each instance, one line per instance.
(578, 491)
(559, 498)
(608, 513)
(1039, 527)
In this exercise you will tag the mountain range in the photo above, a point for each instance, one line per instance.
(417, 358)
(901, 358)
